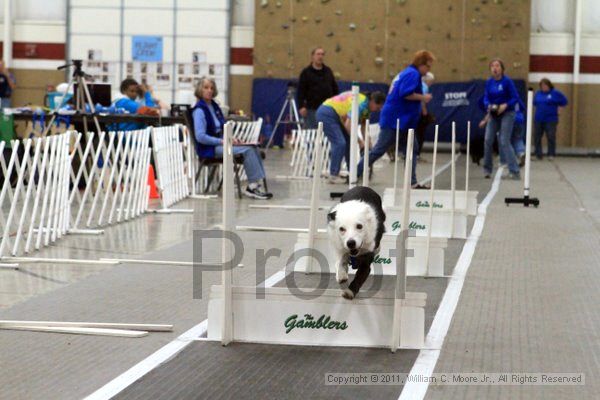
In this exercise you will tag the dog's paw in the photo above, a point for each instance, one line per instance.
(341, 275)
(348, 294)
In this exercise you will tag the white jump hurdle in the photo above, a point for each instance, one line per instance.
(463, 200)
(443, 199)
(442, 217)
(235, 313)
(385, 264)
(445, 224)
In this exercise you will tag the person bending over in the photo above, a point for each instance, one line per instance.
(499, 100)
(335, 114)
(546, 101)
(130, 90)
(403, 103)
(208, 131)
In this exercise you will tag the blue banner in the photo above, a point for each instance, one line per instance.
(147, 48)
(459, 102)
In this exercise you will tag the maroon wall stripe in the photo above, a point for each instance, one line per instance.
(553, 63)
(42, 51)
(589, 65)
(550, 63)
(241, 56)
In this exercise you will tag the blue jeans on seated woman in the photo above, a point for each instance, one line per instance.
(387, 138)
(252, 161)
(503, 125)
(337, 136)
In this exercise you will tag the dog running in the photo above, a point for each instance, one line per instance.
(355, 227)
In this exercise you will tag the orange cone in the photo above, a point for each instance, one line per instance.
(152, 183)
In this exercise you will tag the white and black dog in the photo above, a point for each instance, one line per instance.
(355, 227)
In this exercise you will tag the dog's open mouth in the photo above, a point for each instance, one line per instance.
(354, 252)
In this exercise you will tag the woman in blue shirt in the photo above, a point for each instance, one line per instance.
(499, 100)
(403, 104)
(208, 131)
(546, 101)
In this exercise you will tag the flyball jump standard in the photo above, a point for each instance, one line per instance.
(374, 319)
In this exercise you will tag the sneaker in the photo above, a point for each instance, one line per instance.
(261, 189)
(419, 186)
(336, 179)
(521, 159)
(515, 176)
(257, 193)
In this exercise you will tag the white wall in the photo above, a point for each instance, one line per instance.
(185, 27)
(243, 12)
(558, 16)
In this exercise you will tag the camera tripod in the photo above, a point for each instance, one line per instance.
(292, 109)
(82, 97)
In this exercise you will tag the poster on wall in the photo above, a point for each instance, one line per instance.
(94, 54)
(147, 48)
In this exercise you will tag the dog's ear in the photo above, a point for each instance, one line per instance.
(331, 216)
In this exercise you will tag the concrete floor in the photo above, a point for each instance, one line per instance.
(163, 294)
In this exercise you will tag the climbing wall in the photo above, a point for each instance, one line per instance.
(371, 40)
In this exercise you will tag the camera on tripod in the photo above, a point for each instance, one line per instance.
(291, 89)
(78, 64)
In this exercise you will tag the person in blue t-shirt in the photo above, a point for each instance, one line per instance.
(7, 85)
(403, 103)
(499, 100)
(208, 130)
(517, 138)
(546, 101)
(130, 90)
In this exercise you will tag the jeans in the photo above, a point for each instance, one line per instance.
(503, 125)
(550, 129)
(387, 137)
(252, 161)
(337, 136)
(310, 121)
(518, 139)
(5, 102)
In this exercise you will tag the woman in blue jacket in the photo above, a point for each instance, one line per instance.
(208, 131)
(403, 104)
(499, 100)
(546, 101)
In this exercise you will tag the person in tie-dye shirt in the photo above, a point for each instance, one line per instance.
(335, 113)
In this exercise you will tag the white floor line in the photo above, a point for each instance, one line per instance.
(425, 363)
(168, 351)
(439, 170)
(162, 355)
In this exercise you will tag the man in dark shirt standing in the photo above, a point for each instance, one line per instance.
(7, 84)
(316, 84)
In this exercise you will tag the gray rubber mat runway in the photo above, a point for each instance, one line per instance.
(55, 366)
(206, 370)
